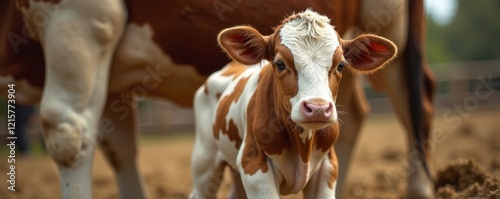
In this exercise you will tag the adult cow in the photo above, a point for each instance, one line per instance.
(90, 57)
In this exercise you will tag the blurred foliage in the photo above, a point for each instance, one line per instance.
(473, 34)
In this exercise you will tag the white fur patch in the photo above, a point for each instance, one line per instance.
(305, 135)
(312, 41)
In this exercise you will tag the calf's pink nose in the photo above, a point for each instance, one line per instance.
(317, 111)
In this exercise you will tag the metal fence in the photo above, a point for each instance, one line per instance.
(462, 83)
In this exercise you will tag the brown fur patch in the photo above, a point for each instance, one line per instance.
(187, 30)
(334, 75)
(221, 124)
(286, 82)
(253, 158)
(268, 119)
(263, 129)
(20, 55)
(326, 137)
(335, 169)
(322, 139)
(337, 58)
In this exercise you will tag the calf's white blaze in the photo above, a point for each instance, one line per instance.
(312, 41)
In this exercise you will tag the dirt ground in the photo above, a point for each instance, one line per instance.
(465, 161)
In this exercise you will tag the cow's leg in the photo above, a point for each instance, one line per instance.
(390, 19)
(119, 144)
(237, 189)
(322, 183)
(420, 185)
(78, 42)
(353, 109)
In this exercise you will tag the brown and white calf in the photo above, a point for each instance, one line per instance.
(271, 116)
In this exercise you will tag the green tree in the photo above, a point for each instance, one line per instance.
(436, 48)
(473, 34)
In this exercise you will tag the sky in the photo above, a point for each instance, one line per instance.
(441, 10)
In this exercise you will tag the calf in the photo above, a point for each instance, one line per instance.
(270, 115)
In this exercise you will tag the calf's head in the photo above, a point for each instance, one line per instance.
(308, 58)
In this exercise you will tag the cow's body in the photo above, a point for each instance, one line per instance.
(174, 38)
(85, 60)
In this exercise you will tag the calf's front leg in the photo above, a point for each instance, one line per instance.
(256, 172)
(322, 184)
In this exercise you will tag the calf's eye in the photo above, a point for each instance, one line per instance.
(280, 65)
(340, 67)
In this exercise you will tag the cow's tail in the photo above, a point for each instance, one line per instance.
(416, 78)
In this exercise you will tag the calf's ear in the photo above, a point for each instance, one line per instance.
(244, 44)
(368, 53)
